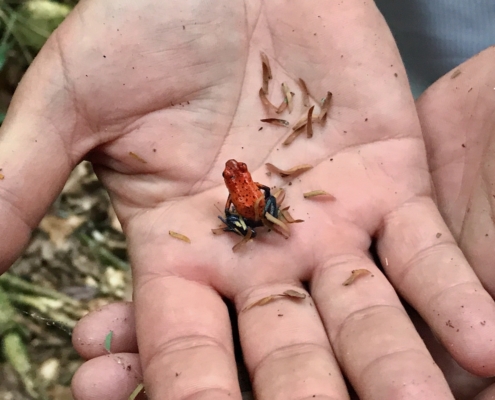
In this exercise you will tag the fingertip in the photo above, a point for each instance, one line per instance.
(469, 333)
(110, 377)
(90, 333)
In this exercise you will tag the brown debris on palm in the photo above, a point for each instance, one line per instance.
(267, 72)
(298, 169)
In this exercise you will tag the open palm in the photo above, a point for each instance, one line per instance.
(158, 97)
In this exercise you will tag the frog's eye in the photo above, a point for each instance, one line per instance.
(227, 174)
(242, 167)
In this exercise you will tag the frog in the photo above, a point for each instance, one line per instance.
(245, 200)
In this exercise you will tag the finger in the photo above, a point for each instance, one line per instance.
(463, 385)
(110, 377)
(375, 342)
(185, 340)
(458, 120)
(425, 265)
(487, 394)
(88, 337)
(39, 147)
(285, 347)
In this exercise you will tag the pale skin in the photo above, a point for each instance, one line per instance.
(176, 84)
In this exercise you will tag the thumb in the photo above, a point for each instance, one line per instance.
(39, 146)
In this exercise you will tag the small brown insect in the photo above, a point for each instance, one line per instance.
(354, 275)
(244, 240)
(276, 121)
(455, 74)
(135, 156)
(267, 103)
(288, 218)
(305, 92)
(309, 126)
(298, 169)
(179, 236)
(288, 96)
(295, 294)
(279, 194)
(218, 231)
(282, 107)
(303, 121)
(292, 294)
(267, 71)
(284, 229)
(325, 106)
(315, 193)
(293, 135)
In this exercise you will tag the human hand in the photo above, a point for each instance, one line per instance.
(369, 155)
(457, 118)
(442, 130)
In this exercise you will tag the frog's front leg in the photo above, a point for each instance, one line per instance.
(270, 201)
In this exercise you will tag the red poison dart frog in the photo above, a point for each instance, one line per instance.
(245, 200)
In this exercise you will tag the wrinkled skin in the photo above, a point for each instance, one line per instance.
(176, 83)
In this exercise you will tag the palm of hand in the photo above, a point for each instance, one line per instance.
(159, 108)
(144, 94)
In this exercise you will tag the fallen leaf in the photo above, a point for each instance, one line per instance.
(354, 275)
(298, 169)
(2, 176)
(315, 193)
(179, 236)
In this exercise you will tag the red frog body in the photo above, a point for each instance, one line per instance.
(243, 191)
(248, 201)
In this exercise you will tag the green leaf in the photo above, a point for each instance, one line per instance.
(108, 341)
(136, 391)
